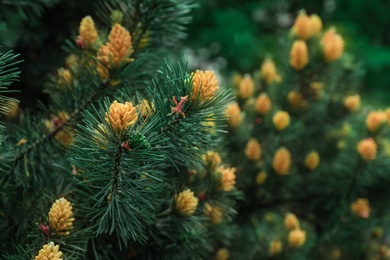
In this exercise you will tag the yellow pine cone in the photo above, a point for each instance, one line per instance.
(236, 80)
(204, 84)
(282, 161)
(312, 160)
(367, 149)
(253, 150)
(228, 178)
(12, 109)
(71, 61)
(333, 45)
(186, 202)
(263, 104)
(316, 88)
(303, 26)
(246, 87)
(212, 159)
(299, 55)
(316, 24)
(261, 177)
(121, 116)
(328, 36)
(361, 207)
(60, 217)
(66, 136)
(222, 254)
(275, 247)
(117, 50)
(144, 108)
(291, 221)
(49, 252)
(281, 120)
(352, 103)
(87, 31)
(214, 213)
(268, 71)
(374, 120)
(64, 77)
(295, 99)
(296, 238)
(233, 114)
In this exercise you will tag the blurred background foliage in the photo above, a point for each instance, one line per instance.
(228, 35)
(238, 35)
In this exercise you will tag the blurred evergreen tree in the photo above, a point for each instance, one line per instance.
(242, 32)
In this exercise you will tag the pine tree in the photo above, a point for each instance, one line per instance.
(312, 163)
(122, 161)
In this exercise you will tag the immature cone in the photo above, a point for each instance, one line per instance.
(233, 114)
(66, 136)
(236, 80)
(253, 150)
(263, 104)
(49, 252)
(374, 120)
(64, 77)
(118, 49)
(121, 116)
(268, 71)
(316, 24)
(87, 31)
(367, 149)
(246, 87)
(303, 26)
(296, 238)
(361, 207)
(60, 217)
(222, 254)
(212, 159)
(12, 109)
(316, 88)
(312, 160)
(291, 221)
(186, 202)
(282, 161)
(214, 213)
(281, 120)
(144, 108)
(204, 84)
(328, 35)
(352, 103)
(261, 178)
(228, 178)
(299, 55)
(71, 61)
(295, 99)
(333, 45)
(275, 247)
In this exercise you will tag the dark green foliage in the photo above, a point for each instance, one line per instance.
(122, 183)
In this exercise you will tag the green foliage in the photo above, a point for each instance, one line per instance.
(8, 74)
(242, 34)
(321, 198)
(123, 181)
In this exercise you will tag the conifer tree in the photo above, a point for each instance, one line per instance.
(313, 164)
(122, 162)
